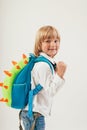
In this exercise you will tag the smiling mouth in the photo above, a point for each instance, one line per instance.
(52, 49)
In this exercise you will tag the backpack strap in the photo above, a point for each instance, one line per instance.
(32, 93)
(38, 88)
(43, 59)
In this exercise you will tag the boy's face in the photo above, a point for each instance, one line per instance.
(50, 46)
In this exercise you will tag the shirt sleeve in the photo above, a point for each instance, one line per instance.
(42, 74)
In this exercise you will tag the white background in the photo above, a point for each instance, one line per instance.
(19, 21)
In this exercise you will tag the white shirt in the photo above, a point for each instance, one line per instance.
(42, 74)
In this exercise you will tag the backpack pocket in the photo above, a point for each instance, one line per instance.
(19, 96)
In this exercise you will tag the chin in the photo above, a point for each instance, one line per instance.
(52, 55)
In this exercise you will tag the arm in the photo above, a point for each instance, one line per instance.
(60, 69)
(42, 75)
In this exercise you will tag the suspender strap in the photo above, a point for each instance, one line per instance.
(36, 115)
(20, 126)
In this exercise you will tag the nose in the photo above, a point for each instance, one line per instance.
(53, 43)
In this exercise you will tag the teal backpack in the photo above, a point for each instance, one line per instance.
(16, 87)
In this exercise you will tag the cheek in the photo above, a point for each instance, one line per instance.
(45, 46)
(58, 46)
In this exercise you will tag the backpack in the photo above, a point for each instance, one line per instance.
(16, 87)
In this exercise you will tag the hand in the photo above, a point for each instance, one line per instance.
(61, 68)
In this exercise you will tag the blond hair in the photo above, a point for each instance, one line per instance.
(45, 32)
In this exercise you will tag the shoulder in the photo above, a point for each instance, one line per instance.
(42, 66)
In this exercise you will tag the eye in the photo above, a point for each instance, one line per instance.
(56, 41)
(48, 41)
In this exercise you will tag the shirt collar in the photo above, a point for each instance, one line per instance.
(48, 57)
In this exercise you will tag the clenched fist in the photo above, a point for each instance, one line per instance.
(60, 68)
